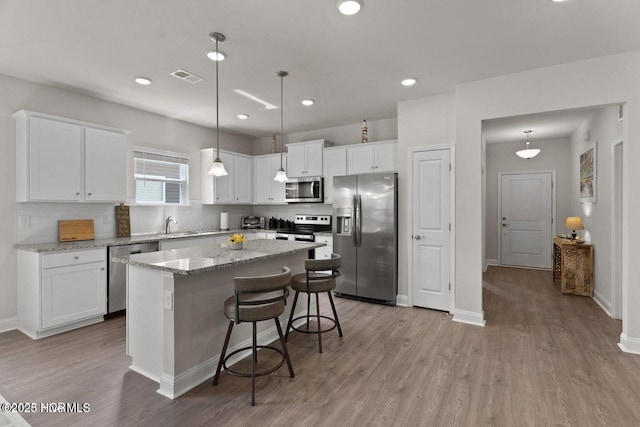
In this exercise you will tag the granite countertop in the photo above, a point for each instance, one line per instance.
(119, 241)
(198, 259)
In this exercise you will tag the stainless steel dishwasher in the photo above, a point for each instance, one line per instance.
(117, 277)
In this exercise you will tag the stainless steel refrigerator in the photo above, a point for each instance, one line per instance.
(365, 233)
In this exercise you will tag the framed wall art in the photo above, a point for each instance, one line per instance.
(588, 178)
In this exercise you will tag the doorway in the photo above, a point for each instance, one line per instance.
(616, 229)
(526, 218)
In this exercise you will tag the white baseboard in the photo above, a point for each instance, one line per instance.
(402, 300)
(469, 317)
(604, 304)
(629, 345)
(488, 262)
(8, 324)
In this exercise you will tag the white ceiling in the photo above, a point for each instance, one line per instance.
(351, 65)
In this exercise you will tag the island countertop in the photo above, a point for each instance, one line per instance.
(196, 260)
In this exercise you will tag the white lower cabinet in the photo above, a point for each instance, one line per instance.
(324, 252)
(62, 291)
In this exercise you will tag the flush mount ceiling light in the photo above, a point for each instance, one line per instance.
(144, 81)
(409, 82)
(281, 175)
(308, 102)
(243, 116)
(528, 153)
(216, 56)
(217, 168)
(349, 7)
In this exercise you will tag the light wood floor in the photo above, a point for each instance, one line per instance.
(543, 359)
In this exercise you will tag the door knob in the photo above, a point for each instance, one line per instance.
(505, 225)
(418, 237)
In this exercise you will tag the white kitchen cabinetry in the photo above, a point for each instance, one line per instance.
(234, 188)
(305, 159)
(61, 291)
(266, 190)
(65, 160)
(335, 164)
(243, 179)
(324, 252)
(372, 157)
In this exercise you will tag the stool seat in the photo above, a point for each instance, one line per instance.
(320, 277)
(256, 299)
(318, 282)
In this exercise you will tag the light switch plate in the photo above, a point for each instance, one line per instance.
(168, 300)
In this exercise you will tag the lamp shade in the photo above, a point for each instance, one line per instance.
(529, 153)
(573, 223)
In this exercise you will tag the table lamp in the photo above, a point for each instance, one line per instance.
(573, 223)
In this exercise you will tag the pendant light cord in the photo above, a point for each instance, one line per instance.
(217, 107)
(281, 116)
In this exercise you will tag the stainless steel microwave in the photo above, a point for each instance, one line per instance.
(304, 190)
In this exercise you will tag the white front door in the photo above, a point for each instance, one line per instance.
(526, 219)
(430, 258)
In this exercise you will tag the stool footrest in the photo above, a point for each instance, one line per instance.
(257, 374)
(313, 331)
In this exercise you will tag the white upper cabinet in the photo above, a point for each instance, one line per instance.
(372, 157)
(64, 160)
(234, 188)
(305, 159)
(105, 165)
(243, 179)
(335, 164)
(266, 190)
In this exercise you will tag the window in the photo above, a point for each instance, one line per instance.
(161, 177)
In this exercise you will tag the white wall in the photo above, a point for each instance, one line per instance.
(599, 81)
(603, 128)
(421, 123)
(378, 130)
(555, 156)
(146, 129)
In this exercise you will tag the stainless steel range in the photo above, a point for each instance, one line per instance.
(304, 227)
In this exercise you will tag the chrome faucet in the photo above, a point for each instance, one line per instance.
(167, 224)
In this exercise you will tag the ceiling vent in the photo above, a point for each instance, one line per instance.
(187, 76)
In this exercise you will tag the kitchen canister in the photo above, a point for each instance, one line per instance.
(224, 221)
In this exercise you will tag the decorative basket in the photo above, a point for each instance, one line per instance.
(236, 246)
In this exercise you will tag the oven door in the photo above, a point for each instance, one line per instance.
(284, 236)
(304, 190)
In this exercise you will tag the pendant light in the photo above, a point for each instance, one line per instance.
(217, 168)
(281, 175)
(528, 153)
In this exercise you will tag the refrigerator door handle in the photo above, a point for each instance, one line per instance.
(359, 221)
(354, 223)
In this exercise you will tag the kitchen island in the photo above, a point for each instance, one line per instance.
(175, 316)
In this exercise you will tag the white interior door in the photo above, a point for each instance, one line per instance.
(430, 258)
(526, 219)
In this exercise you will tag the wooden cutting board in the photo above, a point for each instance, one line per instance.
(75, 229)
(123, 221)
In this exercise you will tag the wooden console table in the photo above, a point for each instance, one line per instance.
(573, 265)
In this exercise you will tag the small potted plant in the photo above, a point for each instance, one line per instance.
(235, 241)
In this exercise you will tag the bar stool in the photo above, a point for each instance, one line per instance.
(320, 277)
(256, 299)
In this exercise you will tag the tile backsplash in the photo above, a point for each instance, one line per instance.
(38, 222)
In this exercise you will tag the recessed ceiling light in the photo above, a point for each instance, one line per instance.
(144, 81)
(266, 104)
(409, 82)
(557, 1)
(243, 116)
(212, 55)
(349, 7)
(308, 102)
